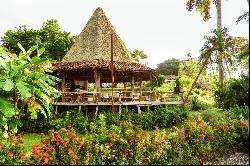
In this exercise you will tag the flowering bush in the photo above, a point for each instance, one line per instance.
(62, 147)
(131, 146)
(196, 140)
(12, 150)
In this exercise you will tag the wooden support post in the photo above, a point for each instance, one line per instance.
(139, 109)
(97, 85)
(79, 108)
(132, 86)
(96, 110)
(126, 108)
(124, 88)
(120, 110)
(63, 86)
(86, 110)
(151, 87)
(147, 108)
(56, 109)
(140, 90)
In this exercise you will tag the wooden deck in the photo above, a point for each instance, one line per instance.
(138, 104)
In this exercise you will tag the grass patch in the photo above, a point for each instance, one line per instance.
(30, 140)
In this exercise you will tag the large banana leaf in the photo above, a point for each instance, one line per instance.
(7, 108)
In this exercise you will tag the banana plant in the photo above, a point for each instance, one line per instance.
(25, 86)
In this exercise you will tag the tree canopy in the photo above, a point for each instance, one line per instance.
(50, 36)
(169, 67)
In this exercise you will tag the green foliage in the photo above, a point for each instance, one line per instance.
(12, 150)
(158, 81)
(137, 55)
(196, 141)
(58, 148)
(239, 112)
(233, 92)
(198, 100)
(24, 86)
(55, 41)
(203, 7)
(169, 67)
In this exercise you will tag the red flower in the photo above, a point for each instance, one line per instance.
(43, 145)
(45, 155)
(70, 151)
(37, 156)
(23, 156)
(11, 154)
(46, 160)
(113, 135)
(74, 157)
(110, 144)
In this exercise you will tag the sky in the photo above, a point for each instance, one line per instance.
(163, 29)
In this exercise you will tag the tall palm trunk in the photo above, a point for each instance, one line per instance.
(219, 27)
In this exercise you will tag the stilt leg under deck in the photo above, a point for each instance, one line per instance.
(96, 110)
(139, 109)
(56, 109)
(120, 111)
(126, 108)
(86, 110)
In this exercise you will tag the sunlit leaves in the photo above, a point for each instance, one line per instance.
(7, 109)
(8, 85)
(23, 89)
(26, 84)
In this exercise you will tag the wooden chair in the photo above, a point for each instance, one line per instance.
(89, 97)
(67, 97)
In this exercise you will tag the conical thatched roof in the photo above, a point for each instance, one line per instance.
(94, 42)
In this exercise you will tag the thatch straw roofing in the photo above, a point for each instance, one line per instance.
(101, 64)
(92, 50)
(94, 41)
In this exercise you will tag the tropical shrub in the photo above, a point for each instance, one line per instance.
(25, 86)
(197, 141)
(239, 112)
(233, 92)
(61, 147)
(12, 150)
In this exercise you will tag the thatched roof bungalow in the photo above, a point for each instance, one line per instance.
(89, 57)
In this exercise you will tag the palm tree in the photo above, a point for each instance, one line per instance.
(204, 8)
(137, 55)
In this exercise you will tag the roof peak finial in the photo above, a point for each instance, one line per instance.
(99, 9)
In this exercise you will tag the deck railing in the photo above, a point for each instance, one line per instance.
(119, 96)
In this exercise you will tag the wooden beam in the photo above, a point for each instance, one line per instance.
(140, 89)
(97, 84)
(112, 71)
(63, 83)
(63, 86)
(124, 88)
(132, 85)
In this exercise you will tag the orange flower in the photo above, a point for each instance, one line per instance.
(23, 156)
(37, 156)
(46, 160)
(11, 154)
(113, 135)
(70, 151)
(43, 145)
(74, 156)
